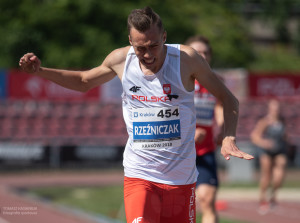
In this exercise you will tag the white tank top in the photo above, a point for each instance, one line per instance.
(160, 118)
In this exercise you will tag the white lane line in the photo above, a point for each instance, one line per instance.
(3, 220)
(286, 212)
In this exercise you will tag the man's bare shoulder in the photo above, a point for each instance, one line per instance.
(117, 56)
(190, 58)
(116, 60)
(189, 55)
(187, 51)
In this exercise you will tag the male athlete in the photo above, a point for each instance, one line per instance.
(159, 157)
(208, 112)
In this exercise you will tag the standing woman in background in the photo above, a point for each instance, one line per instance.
(269, 135)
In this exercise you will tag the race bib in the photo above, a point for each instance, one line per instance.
(155, 128)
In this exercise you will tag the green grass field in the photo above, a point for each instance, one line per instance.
(107, 201)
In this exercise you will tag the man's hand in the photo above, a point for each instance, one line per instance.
(229, 148)
(30, 63)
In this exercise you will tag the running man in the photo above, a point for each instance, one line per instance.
(208, 110)
(158, 108)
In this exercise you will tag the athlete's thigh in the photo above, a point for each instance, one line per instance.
(179, 204)
(265, 162)
(280, 161)
(142, 201)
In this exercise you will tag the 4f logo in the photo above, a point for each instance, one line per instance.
(135, 89)
(136, 220)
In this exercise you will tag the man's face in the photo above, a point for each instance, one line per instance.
(202, 49)
(149, 47)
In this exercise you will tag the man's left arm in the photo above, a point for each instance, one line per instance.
(200, 70)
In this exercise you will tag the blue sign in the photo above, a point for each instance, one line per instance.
(156, 131)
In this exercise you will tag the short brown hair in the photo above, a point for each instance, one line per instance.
(199, 38)
(142, 19)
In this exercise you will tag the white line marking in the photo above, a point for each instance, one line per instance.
(3, 220)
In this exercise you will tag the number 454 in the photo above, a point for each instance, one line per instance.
(167, 113)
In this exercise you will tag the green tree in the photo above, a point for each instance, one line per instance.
(65, 33)
(284, 52)
(80, 33)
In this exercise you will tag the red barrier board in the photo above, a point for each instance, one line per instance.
(274, 84)
(25, 86)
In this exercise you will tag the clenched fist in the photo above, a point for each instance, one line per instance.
(30, 63)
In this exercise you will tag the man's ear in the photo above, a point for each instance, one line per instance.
(129, 38)
(165, 36)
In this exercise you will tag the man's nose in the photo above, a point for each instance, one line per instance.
(148, 54)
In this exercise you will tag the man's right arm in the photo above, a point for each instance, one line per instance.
(78, 80)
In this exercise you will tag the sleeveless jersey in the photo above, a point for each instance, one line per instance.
(160, 119)
(205, 104)
(276, 133)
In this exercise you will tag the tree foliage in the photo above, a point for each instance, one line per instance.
(80, 33)
(64, 33)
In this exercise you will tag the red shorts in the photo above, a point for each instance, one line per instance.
(150, 202)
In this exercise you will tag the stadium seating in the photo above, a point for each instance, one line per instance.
(62, 122)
